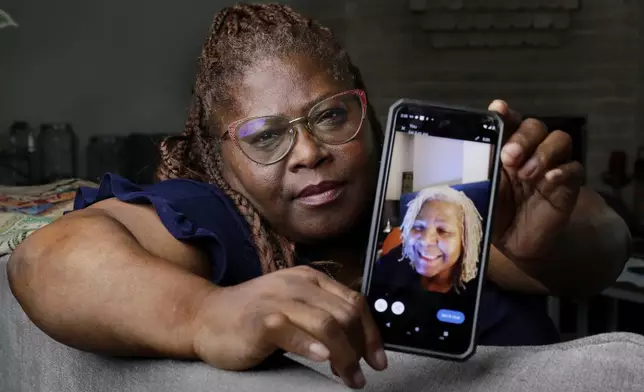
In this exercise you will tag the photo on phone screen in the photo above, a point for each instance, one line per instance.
(429, 238)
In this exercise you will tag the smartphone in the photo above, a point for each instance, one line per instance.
(430, 231)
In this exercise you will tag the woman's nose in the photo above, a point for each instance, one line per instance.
(430, 236)
(307, 151)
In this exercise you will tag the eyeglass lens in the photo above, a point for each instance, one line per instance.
(335, 120)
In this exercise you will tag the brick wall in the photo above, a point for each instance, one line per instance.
(596, 72)
(71, 62)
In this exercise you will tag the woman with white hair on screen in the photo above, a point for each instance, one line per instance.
(436, 265)
(441, 236)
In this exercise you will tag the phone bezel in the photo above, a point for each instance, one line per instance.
(385, 164)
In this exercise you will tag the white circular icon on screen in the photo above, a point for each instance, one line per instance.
(380, 305)
(398, 308)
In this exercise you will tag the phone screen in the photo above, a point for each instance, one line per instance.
(429, 239)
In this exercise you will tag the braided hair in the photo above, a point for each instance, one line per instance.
(240, 35)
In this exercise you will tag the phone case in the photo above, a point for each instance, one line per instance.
(376, 217)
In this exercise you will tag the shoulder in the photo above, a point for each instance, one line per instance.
(173, 190)
(391, 261)
(180, 203)
(193, 212)
(392, 270)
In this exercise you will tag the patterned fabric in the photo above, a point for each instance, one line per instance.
(23, 210)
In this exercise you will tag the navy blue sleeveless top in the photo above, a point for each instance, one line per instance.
(201, 214)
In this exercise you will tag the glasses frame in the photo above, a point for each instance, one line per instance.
(234, 126)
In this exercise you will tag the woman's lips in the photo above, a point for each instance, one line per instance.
(320, 199)
(320, 194)
(428, 259)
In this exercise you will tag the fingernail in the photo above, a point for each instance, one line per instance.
(553, 174)
(530, 167)
(358, 379)
(496, 105)
(381, 358)
(319, 352)
(511, 152)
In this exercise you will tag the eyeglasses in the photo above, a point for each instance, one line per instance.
(335, 120)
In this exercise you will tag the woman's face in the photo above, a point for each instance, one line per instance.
(435, 238)
(317, 191)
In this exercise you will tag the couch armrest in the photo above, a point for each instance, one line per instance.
(30, 361)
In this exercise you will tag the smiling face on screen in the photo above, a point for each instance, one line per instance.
(435, 238)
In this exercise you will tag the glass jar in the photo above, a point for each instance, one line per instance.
(57, 148)
(22, 138)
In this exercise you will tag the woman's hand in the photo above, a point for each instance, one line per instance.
(539, 187)
(299, 310)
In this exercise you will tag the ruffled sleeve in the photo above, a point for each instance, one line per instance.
(192, 212)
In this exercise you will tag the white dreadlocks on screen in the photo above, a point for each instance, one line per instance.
(471, 226)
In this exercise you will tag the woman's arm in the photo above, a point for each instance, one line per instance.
(507, 275)
(588, 256)
(89, 282)
(111, 279)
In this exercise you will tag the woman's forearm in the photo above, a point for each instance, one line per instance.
(589, 253)
(87, 282)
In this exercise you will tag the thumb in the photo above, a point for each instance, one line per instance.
(499, 106)
(511, 119)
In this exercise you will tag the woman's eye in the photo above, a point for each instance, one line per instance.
(265, 138)
(331, 117)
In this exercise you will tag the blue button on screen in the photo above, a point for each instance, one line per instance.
(450, 316)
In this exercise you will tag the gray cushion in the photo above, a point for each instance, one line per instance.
(32, 362)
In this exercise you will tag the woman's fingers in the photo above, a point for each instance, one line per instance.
(347, 316)
(284, 334)
(358, 310)
(561, 185)
(554, 150)
(375, 353)
(355, 318)
(324, 328)
(287, 335)
(530, 148)
(319, 318)
(523, 142)
(511, 118)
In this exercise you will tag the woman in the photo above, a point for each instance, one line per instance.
(435, 267)
(260, 181)
(441, 236)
